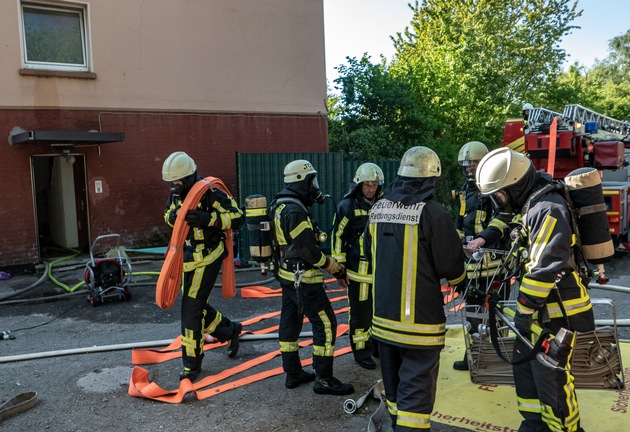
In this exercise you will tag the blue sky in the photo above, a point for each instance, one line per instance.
(356, 26)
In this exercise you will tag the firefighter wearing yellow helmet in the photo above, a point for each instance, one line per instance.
(476, 223)
(551, 290)
(347, 247)
(204, 251)
(300, 262)
(412, 244)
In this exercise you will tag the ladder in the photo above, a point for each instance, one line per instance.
(541, 118)
(579, 114)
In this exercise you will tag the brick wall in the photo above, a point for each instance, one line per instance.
(133, 197)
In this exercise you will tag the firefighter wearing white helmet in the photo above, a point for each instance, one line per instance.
(300, 262)
(527, 109)
(177, 166)
(549, 285)
(347, 247)
(204, 251)
(412, 244)
(478, 225)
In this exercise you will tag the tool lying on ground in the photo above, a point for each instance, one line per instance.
(551, 350)
(17, 404)
(377, 390)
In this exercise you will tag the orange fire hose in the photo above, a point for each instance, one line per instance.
(170, 279)
(140, 386)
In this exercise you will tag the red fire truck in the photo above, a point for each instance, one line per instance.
(583, 138)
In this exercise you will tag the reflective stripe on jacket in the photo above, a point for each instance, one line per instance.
(412, 248)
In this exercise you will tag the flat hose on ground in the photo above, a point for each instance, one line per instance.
(169, 282)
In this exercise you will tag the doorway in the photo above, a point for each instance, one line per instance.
(60, 195)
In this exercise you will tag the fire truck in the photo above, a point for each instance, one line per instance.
(583, 138)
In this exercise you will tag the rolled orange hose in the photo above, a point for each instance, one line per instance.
(170, 279)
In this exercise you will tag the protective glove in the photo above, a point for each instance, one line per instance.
(523, 323)
(198, 218)
(338, 271)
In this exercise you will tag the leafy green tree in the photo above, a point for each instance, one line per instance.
(480, 59)
(610, 79)
(462, 67)
(376, 115)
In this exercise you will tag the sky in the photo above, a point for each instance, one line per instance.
(353, 27)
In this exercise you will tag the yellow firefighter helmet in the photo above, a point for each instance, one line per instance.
(369, 172)
(420, 162)
(177, 166)
(297, 170)
(501, 168)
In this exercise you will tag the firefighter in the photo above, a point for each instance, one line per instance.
(477, 226)
(551, 291)
(527, 108)
(300, 274)
(204, 251)
(350, 221)
(413, 243)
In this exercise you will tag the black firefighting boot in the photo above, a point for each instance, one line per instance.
(461, 365)
(190, 373)
(234, 343)
(325, 383)
(293, 368)
(364, 359)
(192, 368)
(332, 386)
(296, 378)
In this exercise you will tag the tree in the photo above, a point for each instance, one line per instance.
(376, 115)
(480, 59)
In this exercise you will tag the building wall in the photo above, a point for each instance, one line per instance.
(209, 77)
(207, 55)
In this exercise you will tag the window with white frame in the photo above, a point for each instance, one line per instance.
(55, 36)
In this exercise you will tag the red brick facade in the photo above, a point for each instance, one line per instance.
(133, 196)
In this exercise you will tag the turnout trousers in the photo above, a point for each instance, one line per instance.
(410, 381)
(317, 308)
(546, 397)
(360, 318)
(197, 316)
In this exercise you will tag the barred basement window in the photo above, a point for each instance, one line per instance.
(54, 36)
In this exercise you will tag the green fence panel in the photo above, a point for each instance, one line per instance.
(262, 174)
(389, 167)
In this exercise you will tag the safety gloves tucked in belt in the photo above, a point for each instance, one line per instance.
(199, 219)
(523, 323)
(338, 271)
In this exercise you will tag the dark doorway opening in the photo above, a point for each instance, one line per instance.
(60, 194)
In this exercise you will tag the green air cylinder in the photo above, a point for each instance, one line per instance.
(585, 190)
(258, 228)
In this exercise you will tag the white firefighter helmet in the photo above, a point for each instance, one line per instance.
(472, 151)
(528, 106)
(501, 168)
(177, 166)
(420, 162)
(369, 172)
(298, 170)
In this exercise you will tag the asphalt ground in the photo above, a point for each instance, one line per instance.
(88, 389)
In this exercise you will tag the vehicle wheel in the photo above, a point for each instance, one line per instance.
(127, 294)
(93, 300)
